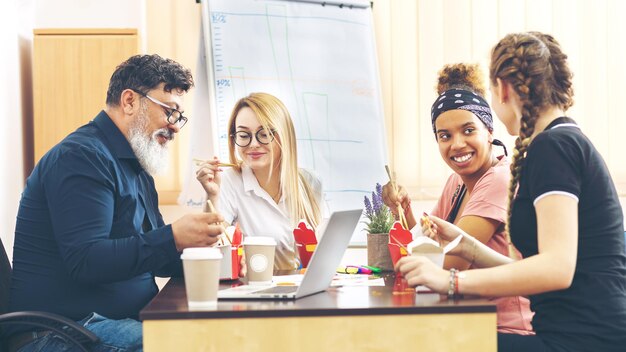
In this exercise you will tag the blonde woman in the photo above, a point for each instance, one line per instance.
(266, 193)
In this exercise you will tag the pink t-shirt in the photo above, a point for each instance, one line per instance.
(489, 199)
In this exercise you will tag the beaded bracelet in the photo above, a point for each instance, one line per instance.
(453, 285)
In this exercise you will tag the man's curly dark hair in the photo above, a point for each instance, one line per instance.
(145, 72)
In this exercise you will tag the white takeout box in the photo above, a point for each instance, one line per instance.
(430, 249)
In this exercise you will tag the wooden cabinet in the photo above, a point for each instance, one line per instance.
(71, 72)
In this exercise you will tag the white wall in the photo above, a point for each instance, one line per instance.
(90, 14)
(11, 130)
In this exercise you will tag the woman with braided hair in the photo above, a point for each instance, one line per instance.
(564, 214)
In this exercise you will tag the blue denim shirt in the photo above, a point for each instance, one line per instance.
(89, 236)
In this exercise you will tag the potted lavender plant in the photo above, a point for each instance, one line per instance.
(378, 223)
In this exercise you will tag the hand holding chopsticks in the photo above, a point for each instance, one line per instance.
(401, 214)
(208, 174)
(211, 209)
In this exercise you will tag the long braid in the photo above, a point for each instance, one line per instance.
(527, 128)
(562, 90)
(522, 60)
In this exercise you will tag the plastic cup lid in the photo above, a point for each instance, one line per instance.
(259, 241)
(201, 253)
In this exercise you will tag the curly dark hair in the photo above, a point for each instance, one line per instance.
(462, 76)
(145, 72)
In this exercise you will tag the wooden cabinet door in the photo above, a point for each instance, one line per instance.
(71, 72)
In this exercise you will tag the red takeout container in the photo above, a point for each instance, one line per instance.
(399, 238)
(306, 242)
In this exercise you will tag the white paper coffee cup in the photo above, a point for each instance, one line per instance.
(259, 252)
(202, 275)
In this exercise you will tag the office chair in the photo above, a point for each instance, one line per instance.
(69, 329)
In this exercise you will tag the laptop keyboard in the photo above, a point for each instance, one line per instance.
(279, 289)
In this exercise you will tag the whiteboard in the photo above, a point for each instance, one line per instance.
(321, 62)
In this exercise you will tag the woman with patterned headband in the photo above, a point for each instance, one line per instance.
(475, 196)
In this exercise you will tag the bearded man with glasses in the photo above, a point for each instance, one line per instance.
(89, 237)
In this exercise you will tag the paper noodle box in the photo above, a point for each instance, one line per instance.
(306, 242)
(231, 261)
(430, 249)
(231, 254)
(399, 238)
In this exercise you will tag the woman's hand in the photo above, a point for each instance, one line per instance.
(208, 176)
(392, 199)
(419, 270)
(442, 231)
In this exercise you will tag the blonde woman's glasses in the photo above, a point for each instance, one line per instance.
(244, 138)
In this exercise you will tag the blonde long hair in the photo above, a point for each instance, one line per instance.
(274, 117)
(536, 67)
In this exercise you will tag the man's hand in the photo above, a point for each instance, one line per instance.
(197, 230)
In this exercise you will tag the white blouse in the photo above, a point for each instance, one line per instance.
(243, 200)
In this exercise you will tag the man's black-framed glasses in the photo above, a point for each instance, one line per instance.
(244, 138)
(173, 116)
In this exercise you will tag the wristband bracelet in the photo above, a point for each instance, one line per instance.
(453, 284)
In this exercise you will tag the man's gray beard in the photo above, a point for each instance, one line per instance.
(153, 157)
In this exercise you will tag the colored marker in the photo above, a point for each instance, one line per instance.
(372, 268)
(361, 269)
(348, 270)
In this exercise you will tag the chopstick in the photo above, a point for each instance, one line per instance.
(212, 210)
(198, 162)
(398, 243)
(403, 220)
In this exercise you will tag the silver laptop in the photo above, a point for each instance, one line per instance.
(318, 276)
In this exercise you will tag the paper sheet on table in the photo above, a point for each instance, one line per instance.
(356, 280)
(338, 280)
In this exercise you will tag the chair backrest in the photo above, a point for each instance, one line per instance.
(5, 279)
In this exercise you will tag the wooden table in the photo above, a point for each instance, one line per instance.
(388, 318)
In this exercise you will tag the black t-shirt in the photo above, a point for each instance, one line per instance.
(591, 314)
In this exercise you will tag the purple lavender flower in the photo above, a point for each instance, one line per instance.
(379, 190)
(378, 202)
(379, 216)
(368, 207)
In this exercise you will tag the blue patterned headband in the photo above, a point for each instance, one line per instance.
(461, 99)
